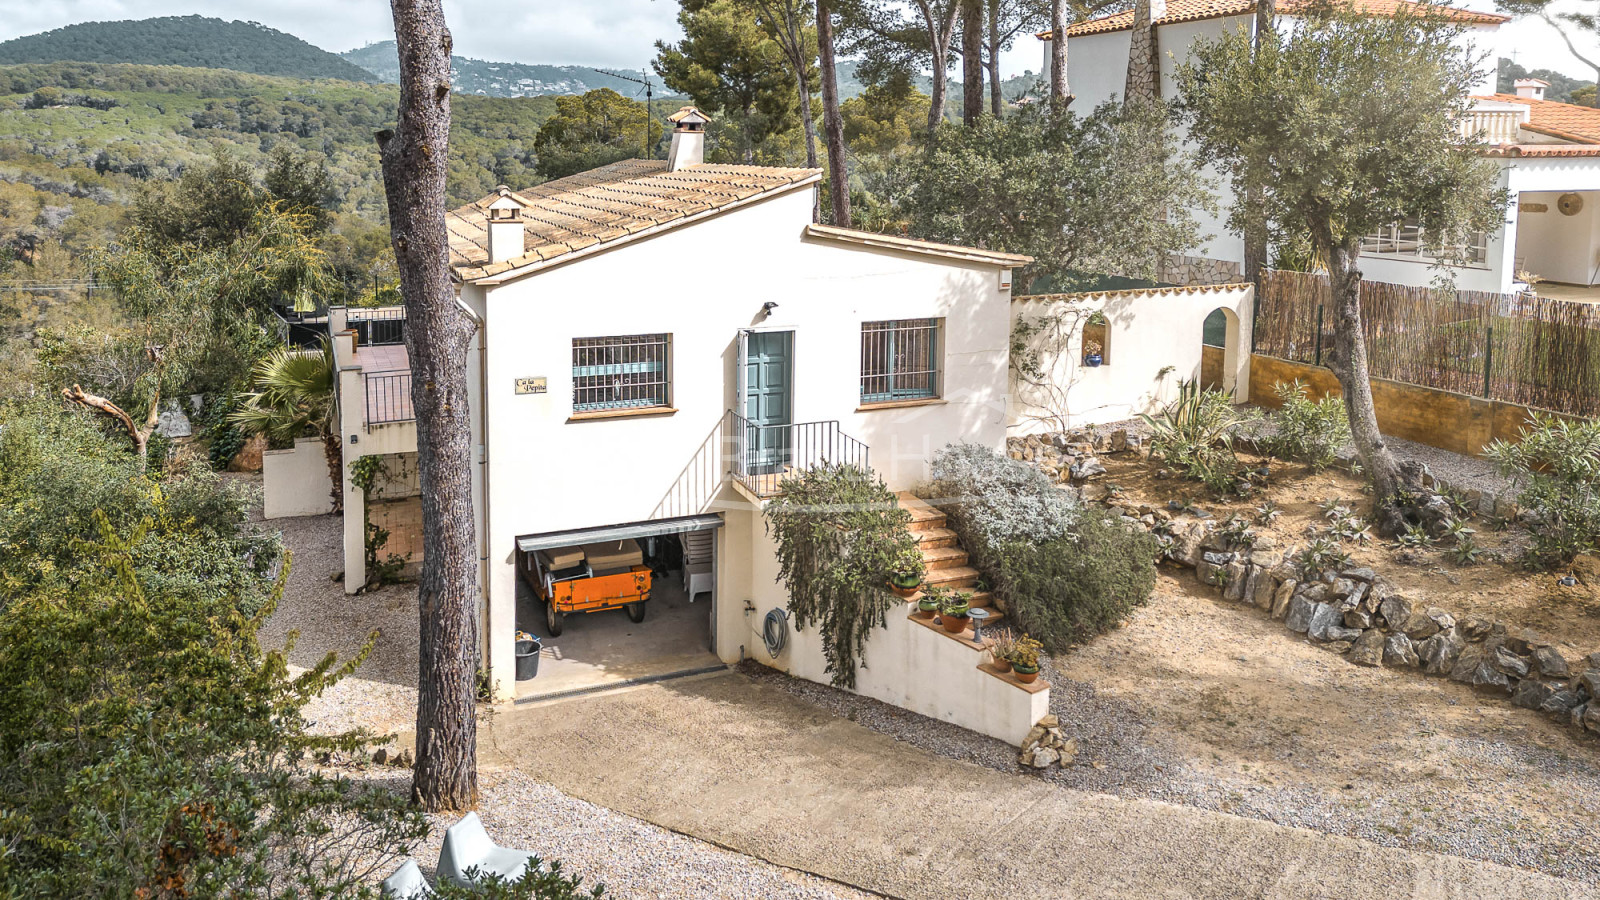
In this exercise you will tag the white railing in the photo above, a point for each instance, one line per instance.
(1497, 126)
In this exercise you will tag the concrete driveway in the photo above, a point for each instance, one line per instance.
(756, 770)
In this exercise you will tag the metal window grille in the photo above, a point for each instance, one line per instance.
(625, 372)
(1407, 239)
(899, 360)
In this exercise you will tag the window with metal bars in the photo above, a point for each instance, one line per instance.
(899, 360)
(623, 372)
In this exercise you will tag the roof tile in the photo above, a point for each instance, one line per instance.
(1196, 10)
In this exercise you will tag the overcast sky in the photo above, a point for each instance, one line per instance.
(607, 33)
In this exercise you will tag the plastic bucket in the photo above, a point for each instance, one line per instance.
(527, 659)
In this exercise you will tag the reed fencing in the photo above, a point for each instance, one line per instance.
(1518, 348)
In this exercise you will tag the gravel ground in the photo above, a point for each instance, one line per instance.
(630, 857)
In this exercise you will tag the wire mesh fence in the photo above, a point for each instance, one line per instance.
(1519, 348)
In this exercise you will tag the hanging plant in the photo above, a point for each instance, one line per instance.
(841, 537)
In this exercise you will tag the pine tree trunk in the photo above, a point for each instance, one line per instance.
(996, 98)
(832, 120)
(971, 62)
(1060, 94)
(414, 158)
(1348, 360)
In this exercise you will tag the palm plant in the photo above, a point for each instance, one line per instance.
(294, 398)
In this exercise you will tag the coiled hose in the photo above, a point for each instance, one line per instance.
(775, 632)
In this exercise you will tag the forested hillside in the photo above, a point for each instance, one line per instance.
(504, 79)
(193, 41)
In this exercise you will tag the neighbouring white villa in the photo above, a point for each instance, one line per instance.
(1549, 152)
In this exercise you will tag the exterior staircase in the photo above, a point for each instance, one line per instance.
(946, 563)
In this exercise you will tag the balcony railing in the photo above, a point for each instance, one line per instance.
(378, 325)
(388, 397)
(1497, 126)
(763, 456)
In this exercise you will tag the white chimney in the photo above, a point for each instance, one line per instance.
(505, 227)
(688, 139)
(1531, 88)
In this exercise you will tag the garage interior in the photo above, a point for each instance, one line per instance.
(606, 648)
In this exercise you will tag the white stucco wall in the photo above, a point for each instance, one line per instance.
(1556, 246)
(295, 482)
(701, 283)
(905, 664)
(1149, 332)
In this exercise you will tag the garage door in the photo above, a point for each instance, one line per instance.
(635, 530)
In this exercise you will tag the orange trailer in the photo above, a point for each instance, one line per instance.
(590, 578)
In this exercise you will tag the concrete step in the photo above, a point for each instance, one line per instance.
(954, 577)
(937, 558)
(933, 538)
(923, 516)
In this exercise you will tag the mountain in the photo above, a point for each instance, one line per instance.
(193, 41)
(505, 79)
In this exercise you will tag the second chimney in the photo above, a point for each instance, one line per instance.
(688, 139)
(505, 227)
(1531, 88)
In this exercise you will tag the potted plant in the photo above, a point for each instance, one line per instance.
(1002, 643)
(953, 612)
(906, 579)
(1091, 354)
(928, 603)
(1025, 660)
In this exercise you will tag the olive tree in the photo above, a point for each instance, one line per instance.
(1349, 124)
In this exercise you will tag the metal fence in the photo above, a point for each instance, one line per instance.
(378, 324)
(1518, 348)
(764, 456)
(388, 398)
(899, 360)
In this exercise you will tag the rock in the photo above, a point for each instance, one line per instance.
(1094, 493)
(1509, 663)
(1324, 617)
(1560, 703)
(1588, 684)
(1439, 653)
(1357, 618)
(1315, 591)
(1035, 735)
(1551, 662)
(1475, 669)
(1042, 758)
(1476, 628)
(380, 755)
(1050, 721)
(404, 760)
(1261, 588)
(1339, 647)
(1282, 597)
(1342, 588)
(1218, 557)
(1186, 549)
(1119, 440)
(1265, 542)
(1299, 615)
(1087, 468)
(1210, 573)
(1395, 610)
(1069, 752)
(1420, 627)
(1532, 693)
(1363, 574)
(1135, 442)
(1592, 661)
(1238, 576)
(1368, 648)
(1577, 714)
(1398, 652)
(1341, 633)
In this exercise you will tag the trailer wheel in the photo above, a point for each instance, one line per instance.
(553, 618)
(635, 611)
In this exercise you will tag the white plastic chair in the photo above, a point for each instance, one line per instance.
(406, 883)
(467, 845)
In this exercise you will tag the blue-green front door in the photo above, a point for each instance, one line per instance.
(768, 399)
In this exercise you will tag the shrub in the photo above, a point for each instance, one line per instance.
(1194, 435)
(1556, 467)
(1309, 431)
(1064, 572)
(840, 534)
(1071, 588)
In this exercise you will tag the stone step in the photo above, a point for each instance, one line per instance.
(936, 558)
(933, 538)
(955, 577)
(923, 516)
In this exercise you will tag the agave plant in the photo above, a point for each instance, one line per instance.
(293, 399)
(1194, 434)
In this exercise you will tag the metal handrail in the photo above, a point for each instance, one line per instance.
(388, 397)
(761, 457)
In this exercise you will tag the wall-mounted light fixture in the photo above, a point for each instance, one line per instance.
(769, 306)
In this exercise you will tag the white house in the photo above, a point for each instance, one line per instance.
(657, 343)
(1550, 152)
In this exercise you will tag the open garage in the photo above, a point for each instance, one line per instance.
(616, 605)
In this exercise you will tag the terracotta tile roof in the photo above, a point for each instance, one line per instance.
(1196, 10)
(911, 245)
(1560, 120)
(609, 204)
(1535, 151)
(1128, 292)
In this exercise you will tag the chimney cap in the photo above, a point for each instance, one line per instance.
(689, 118)
(1532, 82)
(506, 205)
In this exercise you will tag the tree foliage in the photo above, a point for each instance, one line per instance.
(1107, 193)
(839, 534)
(594, 129)
(1556, 466)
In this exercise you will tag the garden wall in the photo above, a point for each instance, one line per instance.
(295, 482)
(1450, 421)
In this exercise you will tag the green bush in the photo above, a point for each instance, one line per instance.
(538, 883)
(1194, 435)
(1309, 431)
(1062, 571)
(1069, 589)
(1556, 466)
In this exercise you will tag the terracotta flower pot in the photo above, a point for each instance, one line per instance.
(1026, 675)
(1003, 665)
(905, 593)
(955, 624)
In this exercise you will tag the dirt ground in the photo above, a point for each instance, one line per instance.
(1496, 586)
